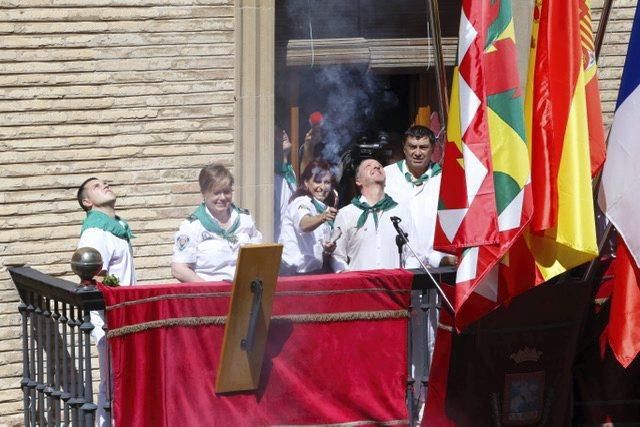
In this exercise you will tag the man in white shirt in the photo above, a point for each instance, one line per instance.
(368, 235)
(285, 183)
(104, 231)
(415, 183)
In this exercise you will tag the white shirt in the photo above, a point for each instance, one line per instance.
(302, 252)
(422, 202)
(283, 193)
(212, 257)
(117, 254)
(117, 259)
(368, 247)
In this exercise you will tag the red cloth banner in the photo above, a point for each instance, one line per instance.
(624, 322)
(434, 412)
(166, 340)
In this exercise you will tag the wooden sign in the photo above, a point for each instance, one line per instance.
(245, 333)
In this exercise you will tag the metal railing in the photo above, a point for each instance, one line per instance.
(56, 349)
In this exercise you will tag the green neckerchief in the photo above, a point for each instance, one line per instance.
(116, 226)
(289, 175)
(320, 208)
(383, 205)
(212, 225)
(433, 170)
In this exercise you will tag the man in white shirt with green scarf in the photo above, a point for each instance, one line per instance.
(414, 182)
(368, 235)
(104, 231)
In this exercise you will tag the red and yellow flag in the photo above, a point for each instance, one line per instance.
(597, 146)
(562, 232)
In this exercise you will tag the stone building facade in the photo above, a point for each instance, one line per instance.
(141, 93)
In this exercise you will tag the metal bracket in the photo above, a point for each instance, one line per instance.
(247, 343)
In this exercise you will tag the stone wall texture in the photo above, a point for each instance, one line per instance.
(139, 93)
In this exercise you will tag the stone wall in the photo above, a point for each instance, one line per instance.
(140, 93)
(137, 92)
(614, 51)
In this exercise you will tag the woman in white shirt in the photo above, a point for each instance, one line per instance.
(308, 221)
(207, 243)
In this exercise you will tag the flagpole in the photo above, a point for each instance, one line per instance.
(441, 76)
(591, 269)
(610, 229)
(602, 26)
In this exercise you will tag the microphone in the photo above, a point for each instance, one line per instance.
(401, 239)
(396, 224)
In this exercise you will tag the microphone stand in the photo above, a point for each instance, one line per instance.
(400, 243)
(403, 236)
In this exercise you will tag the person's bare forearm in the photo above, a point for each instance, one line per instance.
(184, 273)
(311, 222)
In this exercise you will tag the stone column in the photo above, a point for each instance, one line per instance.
(254, 110)
(522, 18)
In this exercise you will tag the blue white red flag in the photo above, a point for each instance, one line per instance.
(618, 198)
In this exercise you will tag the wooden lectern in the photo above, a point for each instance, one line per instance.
(245, 333)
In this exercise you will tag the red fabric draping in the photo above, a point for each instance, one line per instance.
(313, 373)
(434, 412)
(624, 322)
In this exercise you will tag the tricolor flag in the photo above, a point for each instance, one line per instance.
(485, 203)
(619, 199)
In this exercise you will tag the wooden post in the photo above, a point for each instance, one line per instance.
(441, 77)
(423, 113)
(294, 119)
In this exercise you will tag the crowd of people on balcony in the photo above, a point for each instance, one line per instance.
(317, 237)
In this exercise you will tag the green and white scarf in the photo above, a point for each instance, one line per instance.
(116, 226)
(289, 175)
(212, 225)
(320, 208)
(383, 205)
(433, 170)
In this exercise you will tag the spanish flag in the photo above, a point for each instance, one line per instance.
(562, 230)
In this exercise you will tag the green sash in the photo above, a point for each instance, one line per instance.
(116, 226)
(212, 225)
(433, 170)
(383, 205)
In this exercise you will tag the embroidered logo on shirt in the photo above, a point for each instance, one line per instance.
(182, 241)
(207, 236)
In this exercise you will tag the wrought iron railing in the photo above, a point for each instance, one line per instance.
(56, 349)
